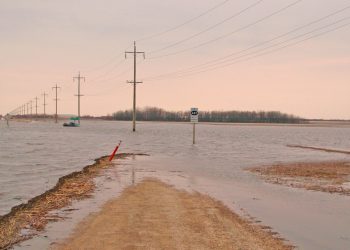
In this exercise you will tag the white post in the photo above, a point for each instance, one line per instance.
(194, 120)
(194, 133)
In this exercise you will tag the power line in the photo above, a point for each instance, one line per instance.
(220, 59)
(283, 42)
(153, 36)
(112, 77)
(209, 28)
(230, 33)
(266, 53)
(185, 23)
(107, 72)
(107, 63)
(149, 37)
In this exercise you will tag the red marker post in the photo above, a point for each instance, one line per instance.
(115, 151)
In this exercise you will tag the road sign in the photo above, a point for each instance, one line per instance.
(194, 115)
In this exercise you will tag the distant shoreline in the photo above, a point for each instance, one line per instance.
(307, 123)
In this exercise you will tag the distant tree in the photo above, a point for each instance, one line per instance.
(158, 114)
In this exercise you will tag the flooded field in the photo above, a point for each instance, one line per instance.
(34, 155)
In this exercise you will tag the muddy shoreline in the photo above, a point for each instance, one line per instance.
(33, 216)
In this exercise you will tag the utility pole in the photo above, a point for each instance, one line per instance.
(135, 52)
(27, 108)
(44, 103)
(78, 95)
(31, 108)
(56, 87)
(36, 106)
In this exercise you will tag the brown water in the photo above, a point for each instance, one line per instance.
(34, 155)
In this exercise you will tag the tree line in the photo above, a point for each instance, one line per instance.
(158, 114)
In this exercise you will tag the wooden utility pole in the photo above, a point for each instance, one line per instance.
(135, 52)
(36, 106)
(56, 116)
(45, 103)
(31, 108)
(79, 95)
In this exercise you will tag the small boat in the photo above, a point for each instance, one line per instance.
(72, 123)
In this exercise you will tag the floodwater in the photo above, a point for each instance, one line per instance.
(34, 155)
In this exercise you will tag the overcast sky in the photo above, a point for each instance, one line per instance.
(48, 42)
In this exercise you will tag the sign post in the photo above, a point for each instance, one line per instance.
(194, 120)
(7, 118)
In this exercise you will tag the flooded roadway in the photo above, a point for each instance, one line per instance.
(34, 155)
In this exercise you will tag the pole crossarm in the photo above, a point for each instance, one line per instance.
(133, 82)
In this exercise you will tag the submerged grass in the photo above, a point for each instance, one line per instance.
(34, 215)
(328, 177)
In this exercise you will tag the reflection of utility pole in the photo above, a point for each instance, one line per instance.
(79, 95)
(45, 103)
(135, 52)
(56, 87)
(36, 106)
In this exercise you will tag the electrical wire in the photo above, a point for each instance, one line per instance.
(254, 46)
(101, 76)
(265, 53)
(183, 24)
(209, 28)
(114, 78)
(108, 62)
(230, 33)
